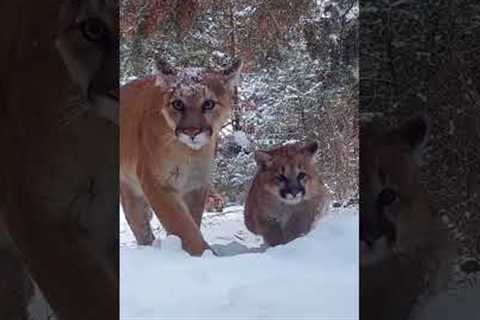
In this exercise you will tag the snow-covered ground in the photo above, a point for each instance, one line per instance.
(314, 277)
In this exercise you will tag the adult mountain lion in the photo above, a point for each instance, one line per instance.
(401, 240)
(88, 41)
(169, 125)
(59, 168)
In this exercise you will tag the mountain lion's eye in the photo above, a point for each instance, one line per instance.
(93, 29)
(387, 196)
(281, 178)
(301, 176)
(208, 105)
(178, 105)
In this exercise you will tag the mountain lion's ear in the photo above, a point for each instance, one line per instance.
(263, 159)
(413, 134)
(310, 149)
(164, 68)
(232, 73)
(164, 71)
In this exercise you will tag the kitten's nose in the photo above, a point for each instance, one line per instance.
(192, 132)
(296, 191)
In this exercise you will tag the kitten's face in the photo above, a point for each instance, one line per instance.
(287, 172)
(393, 209)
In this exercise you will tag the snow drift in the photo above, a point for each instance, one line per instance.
(314, 277)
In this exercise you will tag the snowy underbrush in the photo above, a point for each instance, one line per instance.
(314, 277)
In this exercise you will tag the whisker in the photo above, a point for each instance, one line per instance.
(170, 139)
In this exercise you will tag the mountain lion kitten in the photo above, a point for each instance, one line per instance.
(286, 196)
(400, 237)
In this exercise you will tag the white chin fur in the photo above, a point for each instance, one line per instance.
(197, 143)
(292, 200)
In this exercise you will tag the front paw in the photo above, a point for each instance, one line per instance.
(209, 249)
(195, 248)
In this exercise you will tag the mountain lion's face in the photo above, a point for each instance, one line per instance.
(287, 172)
(394, 211)
(87, 41)
(199, 102)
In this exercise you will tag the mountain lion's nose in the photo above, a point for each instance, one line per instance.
(295, 191)
(192, 132)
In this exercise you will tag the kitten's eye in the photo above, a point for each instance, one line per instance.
(208, 105)
(301, 176)
(178, 105)
(387, 196)
(93, 29)
(281, 178)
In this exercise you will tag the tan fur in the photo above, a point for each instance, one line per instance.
(266, 212)
(158, 170)
(57, 175)
(214, 201)
(400, 238)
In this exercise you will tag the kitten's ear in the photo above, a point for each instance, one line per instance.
(232, 73)
(413, 134)
(263, 159)
(310, 149)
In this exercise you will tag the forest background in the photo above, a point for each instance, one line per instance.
(300, 79)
